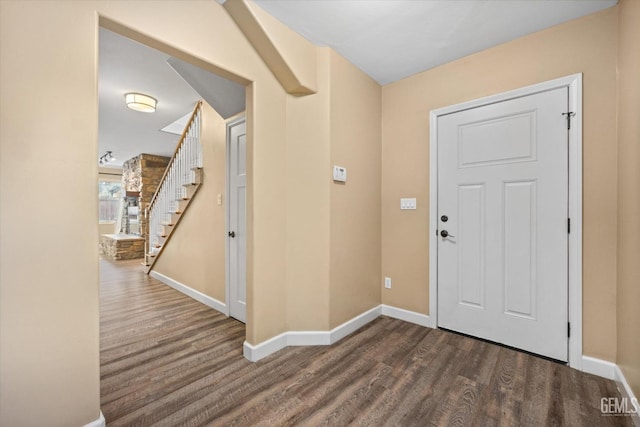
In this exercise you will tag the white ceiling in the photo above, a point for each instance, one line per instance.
(393, 39)
(128, 66)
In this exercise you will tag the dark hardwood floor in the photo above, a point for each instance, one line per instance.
(168, 360)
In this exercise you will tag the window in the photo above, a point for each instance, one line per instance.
(109, 196)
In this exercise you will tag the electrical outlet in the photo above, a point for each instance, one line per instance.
(387, 282)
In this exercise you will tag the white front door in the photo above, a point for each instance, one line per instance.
(502, 222)
(237, 213)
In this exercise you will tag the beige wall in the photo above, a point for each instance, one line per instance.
(291, 57)
(48, 299)
(308, 221)
(629, 193)
(195, 255)
(587, 45)
(355, 117)
(49, 364)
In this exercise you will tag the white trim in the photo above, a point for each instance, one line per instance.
(575, 213)
(100, 422)
(625, 391)
(611, 371)
(354, 324)
(265, 348)
(433, 218)
(231, 122)
(300, 338)
(196, 295)
(599, 367)
(406, 315)
(574, 85)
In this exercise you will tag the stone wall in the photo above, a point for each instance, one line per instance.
(117, 246)
(143, 174)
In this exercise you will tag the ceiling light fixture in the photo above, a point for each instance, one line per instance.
(106, 158)
(140, 102)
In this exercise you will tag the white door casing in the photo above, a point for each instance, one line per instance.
(508, 240)
(236, 218)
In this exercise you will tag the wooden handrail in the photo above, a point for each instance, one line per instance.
(182, 138)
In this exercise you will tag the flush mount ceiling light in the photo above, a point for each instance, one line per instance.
(140, 102)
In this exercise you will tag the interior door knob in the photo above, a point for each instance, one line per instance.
(445, 233)
(232, 234)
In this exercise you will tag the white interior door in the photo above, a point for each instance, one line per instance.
(502, 205)
(237, 213)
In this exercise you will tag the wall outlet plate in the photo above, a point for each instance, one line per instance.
(387, 282)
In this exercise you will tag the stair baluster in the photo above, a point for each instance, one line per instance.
(178, 185)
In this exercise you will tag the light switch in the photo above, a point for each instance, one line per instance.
(219, 199)
(339, 174)
(408, 203)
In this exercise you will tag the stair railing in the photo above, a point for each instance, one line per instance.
(180, 171)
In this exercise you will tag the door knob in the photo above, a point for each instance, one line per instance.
(232, 234)
(445, 233)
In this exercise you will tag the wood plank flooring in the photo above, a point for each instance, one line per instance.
(167, 360)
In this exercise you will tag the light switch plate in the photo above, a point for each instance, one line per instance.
(408, 203)
(339, 174)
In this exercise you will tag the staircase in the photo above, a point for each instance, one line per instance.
(176, 190)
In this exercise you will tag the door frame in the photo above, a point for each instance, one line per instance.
(233, 121)
(574, 84)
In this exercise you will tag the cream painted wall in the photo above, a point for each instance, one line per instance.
(587, 45)
(49, 371)
(355, 117)
(195, 254)
(293, 54)
(629, 192)
(49, 364)
(308, 205)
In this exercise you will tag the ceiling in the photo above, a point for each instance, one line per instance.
(393, 39)
(387, 39)
(128, 66)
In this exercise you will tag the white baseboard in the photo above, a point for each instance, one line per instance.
(309, 338)
(265, 348)
(100, 422)
(599, 367)
(196, 295)
(611, 371)
(626, 391)
(406, 315)
(354, 324)
(297, 338)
